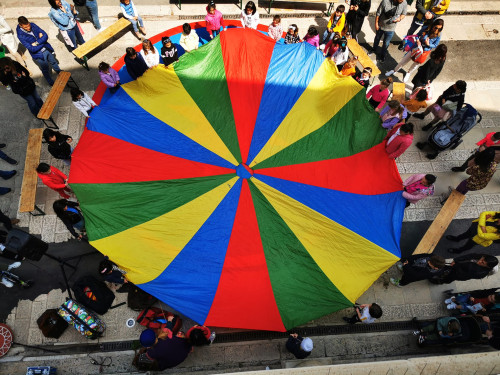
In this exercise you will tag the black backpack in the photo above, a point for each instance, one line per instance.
(93, 294)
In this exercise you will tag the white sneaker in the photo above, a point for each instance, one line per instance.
(322, 47)
(13, 265)
(406, 77)
(389, 73)
(7, 283)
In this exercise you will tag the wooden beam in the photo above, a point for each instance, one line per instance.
(440, 223)
(365, 61)
(54, 95)
(30, 178)
(399, 91)
(101, 38)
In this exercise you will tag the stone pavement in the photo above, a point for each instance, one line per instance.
(421, 299)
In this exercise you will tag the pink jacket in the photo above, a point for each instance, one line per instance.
(398, 144)
(312, 40)
(378, 96)
(416, 196)
(214, 21)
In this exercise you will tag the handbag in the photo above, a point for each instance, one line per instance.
(421, 56)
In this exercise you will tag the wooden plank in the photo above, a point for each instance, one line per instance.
(440, 223)
(102, 37)
(28, 189)
(363, 58)
(399, 91)
(54, 95)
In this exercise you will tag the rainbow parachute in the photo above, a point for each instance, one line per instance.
(245, 187)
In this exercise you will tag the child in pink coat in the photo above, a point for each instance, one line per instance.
(312, 37)
(417, 187)
(398, 139)
(214, 20)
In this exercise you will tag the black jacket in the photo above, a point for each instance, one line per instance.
(465, 269)
(293, 346)
(427, 72)
(169, 55)
(21, 83)
(60, 148)
(135, 67)
(69, 218)
(355, 19)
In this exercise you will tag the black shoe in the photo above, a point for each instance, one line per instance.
(2, 145)
(370, 51)
(420, 145)
(10, 161)
(12, 174)
(421, 116)
(346, 319)
(431, 156)
(381, 59)
(449, 237)
(401, 46)
(4, 191)
(426, 127)
(458, 169)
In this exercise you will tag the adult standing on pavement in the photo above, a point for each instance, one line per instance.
(18, 78)
(63, 16)
(427, 40)
(480, 172)
(467, 267)
(358, 10)
(431, 69)
(483, 231)
(388, 14)
(491, 140)
(418, 187)
(427, 11)
(93, 10)
(8, 39)
(34, 39)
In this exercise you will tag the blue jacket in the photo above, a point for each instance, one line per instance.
(27, 40)
(63, 20)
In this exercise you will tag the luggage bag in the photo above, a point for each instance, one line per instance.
(85, 322)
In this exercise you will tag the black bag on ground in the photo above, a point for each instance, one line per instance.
(139, 300)
(93, 294)
(25, 244)
(51, 324)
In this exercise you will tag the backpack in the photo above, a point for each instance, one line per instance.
(156, 318)
(93, 293)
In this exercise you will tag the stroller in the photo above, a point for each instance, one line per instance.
(448, 134)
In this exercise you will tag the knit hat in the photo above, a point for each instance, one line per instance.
(306, 344)
(148, 338)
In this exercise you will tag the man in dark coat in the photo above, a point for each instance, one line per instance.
(300, 347)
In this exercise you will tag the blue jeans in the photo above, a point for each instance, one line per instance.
(4, 190)
(134, 23)
(80, 225)
(414, 26)
(6, 157)
(45, 63)
(215, 32)
(326, 37)
(34, 102)
(387, 39)
(94, 12)
(75, 36)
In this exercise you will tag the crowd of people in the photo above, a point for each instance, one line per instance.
(422, 49)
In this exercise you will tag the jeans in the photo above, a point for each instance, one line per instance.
(94, 12)
(6, 157)
(4, 190)
(134, 23)
(215, 32)
(75, 36)
(45, 63)
(414, 26)
(6, 174)
(80, 225)
(34, 102)
(387, 39)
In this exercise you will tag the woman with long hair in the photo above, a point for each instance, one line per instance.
(71, 216)
(149, 53)
(63, 15)
(427, 40)
(431, 69)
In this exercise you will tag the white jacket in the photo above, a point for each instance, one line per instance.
(340, 57)
(190, 42)
(85, 104)
(7, 36)
(152, 59)
(249, 20)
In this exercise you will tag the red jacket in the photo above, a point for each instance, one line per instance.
(399, 144)
(55, 180)
(487, 141)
